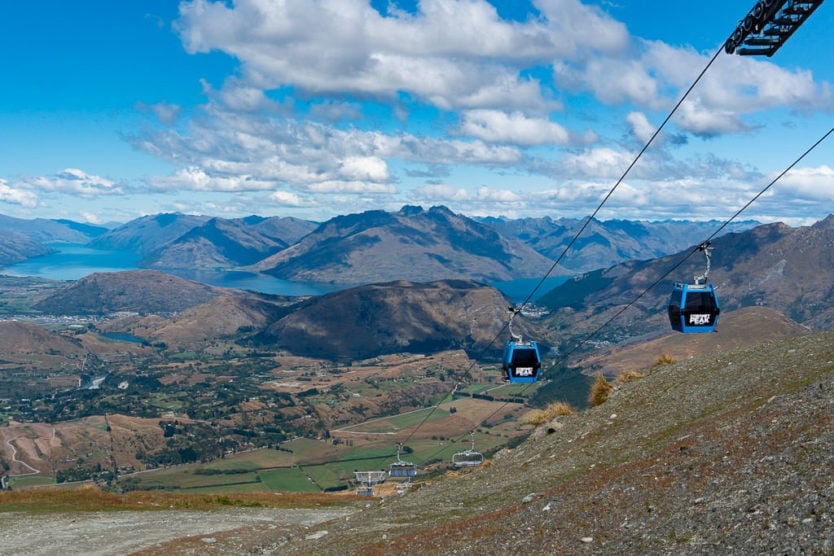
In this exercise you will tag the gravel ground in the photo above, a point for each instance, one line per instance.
(731, 453)
(126, 532)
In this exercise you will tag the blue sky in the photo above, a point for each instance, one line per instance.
(114, 110)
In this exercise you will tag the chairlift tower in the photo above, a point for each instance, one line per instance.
(367, 480)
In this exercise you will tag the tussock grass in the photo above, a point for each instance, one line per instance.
(629, 376)
(549, 413)
(663, 359)
(600, 390)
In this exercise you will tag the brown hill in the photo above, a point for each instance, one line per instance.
(395, 317)
(50, 447)
(746, 327)
(727, 453)
(23, 338)
(140, 291)
(224, 315)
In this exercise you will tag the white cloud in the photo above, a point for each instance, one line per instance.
(602, 162)
(815, 184)
(371, 168)
(90, 217)
(440, 193)
(365, 100)
(499, 127)
(197, 179)
(286, 198)
(73, 181)
(351, 187)
(498, 195)
(640, 126)
(450, 53)
(654, 75)
(17, 196)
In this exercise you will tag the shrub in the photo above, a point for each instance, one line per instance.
(600, 391)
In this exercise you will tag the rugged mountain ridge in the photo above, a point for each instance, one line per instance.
(413, 244)
(375, 246)
(603, 243)
(788, 269)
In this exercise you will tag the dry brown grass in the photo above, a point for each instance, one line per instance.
(629, 376)
(600, 391)
(90, 498)
(549, 413)
(663, 359)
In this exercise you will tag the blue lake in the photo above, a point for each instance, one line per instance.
(73, 262)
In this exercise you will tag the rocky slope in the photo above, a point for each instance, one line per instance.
(726, 453)
(729, 452)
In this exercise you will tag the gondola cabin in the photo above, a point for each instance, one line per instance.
(693, 308)
(521, 361)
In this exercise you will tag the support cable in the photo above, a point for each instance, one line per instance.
(579, 232)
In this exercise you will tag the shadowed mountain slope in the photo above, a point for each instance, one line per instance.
(223, 243)
(396, 317)
(149, 233)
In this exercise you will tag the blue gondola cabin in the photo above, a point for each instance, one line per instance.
(693, 308)
(521, 362)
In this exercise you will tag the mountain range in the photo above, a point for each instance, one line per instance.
(413, 244)
(773, 265)
(790, 270)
